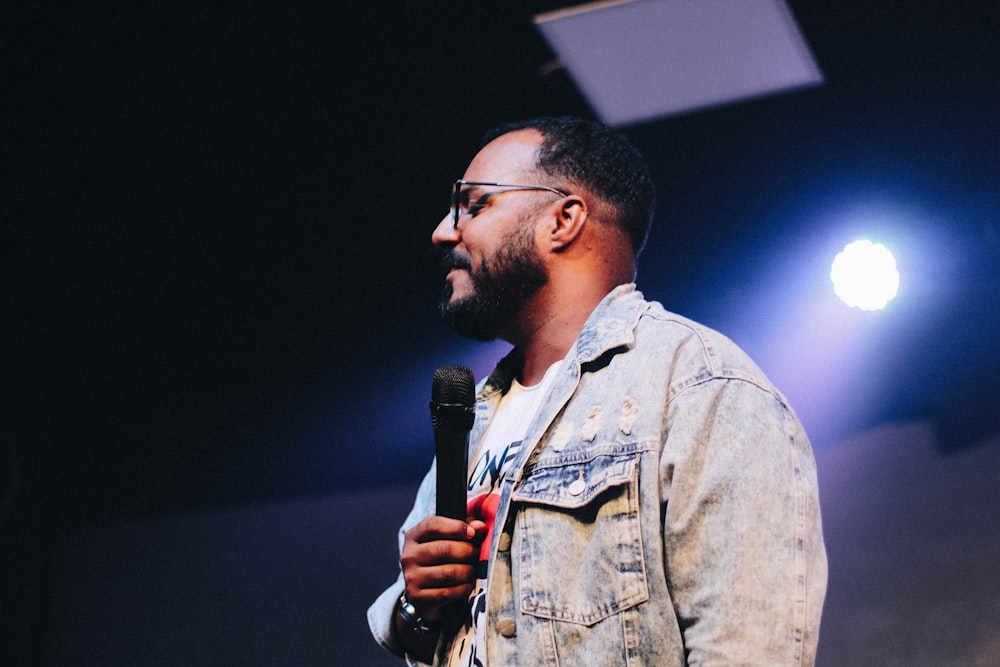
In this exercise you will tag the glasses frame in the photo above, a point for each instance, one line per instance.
(456, 192)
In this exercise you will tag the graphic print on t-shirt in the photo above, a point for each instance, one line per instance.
(483, 483)
(500, 448)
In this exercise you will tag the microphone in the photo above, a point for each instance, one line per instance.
(453, 397)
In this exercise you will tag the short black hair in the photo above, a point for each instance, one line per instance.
(600, 159)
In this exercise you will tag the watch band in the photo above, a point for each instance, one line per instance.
(409, 614)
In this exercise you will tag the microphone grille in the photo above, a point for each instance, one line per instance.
(453, 385)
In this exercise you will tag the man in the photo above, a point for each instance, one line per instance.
(639, 493)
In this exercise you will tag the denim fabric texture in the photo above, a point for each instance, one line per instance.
(663, 509)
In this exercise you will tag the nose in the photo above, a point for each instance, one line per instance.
(445, 233)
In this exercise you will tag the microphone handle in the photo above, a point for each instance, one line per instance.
(452, 447)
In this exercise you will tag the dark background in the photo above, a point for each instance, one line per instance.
(217, 281)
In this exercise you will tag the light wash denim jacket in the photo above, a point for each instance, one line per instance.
(663, 509)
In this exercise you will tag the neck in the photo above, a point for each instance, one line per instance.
(548, 327)
(580, 275)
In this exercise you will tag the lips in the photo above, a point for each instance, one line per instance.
(453, 260)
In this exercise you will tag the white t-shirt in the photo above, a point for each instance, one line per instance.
(491, 462)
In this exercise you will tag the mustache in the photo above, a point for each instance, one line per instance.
(455, 259)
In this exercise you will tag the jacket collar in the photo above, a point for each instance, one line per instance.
(611, 325)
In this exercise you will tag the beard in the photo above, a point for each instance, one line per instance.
(501, 287)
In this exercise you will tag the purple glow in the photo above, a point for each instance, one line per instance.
(837, 365)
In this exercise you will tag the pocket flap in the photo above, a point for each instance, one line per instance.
(574, 483)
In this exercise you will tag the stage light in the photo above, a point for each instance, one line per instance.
(864, 275)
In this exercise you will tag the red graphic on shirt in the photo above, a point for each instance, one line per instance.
(484, 507)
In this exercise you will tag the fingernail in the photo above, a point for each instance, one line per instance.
(470, 531)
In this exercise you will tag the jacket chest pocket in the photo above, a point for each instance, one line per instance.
(578, 544)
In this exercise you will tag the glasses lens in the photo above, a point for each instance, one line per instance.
(460, 201)
(456, 202)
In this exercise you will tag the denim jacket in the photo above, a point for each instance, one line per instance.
(663, 509)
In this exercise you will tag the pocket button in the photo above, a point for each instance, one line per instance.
(507, 627)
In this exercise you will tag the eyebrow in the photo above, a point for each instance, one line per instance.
(468, 193)
(472, 187)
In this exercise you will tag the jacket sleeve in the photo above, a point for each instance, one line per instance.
(742, 536)
(380, 613)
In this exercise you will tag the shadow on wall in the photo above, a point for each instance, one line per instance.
(913, 539)
(284, 584)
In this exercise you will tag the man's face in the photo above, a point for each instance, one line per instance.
(501, 284)
(493, 264)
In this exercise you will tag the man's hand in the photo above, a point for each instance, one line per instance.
(439, 570)
(439, 563)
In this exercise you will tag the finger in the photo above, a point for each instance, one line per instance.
(445, 576)
(439, 596)
(438, 552)
(479, 526)
(440, 528)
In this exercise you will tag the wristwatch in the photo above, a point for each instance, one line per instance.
(409, 614)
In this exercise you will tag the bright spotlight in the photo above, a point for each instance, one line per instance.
(864, 275)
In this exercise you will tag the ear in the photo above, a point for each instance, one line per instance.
(567, 222)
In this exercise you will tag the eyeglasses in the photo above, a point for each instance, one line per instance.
(460, 197)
